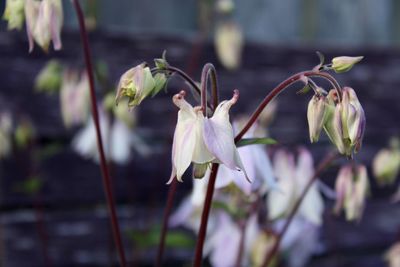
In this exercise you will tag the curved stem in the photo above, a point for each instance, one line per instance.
(207, 72)
(103, 162)
(282, 86)
(322, 166)
(204, 216)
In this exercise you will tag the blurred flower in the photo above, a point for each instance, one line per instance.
(14, 14)
(352, 187)
(316, 116)
(392, 256)
(118, 140)
(386, 166)
(343, 64)
(225, 6)
(44, 21)
(257, 164)
(136, 84)
(292, 180)
(49, 78)
(202, 140)
(24, 132)
(5, 134)
(229, 44)
(74, 98)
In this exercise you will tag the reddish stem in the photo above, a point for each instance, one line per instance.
(204, 216)
(103, 162)
(41, 228)
(242, 225)
(322, 166)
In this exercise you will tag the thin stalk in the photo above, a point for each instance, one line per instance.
(242, 225)
(321, 167)
(277, 90)
(103, 163)
(207, 72)
(167, 212)
(198, 257)
(42, 231)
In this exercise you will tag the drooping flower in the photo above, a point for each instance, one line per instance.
(74, 98)
(352, 187)
(229, 44)
(44, 20)
(202, 140)
(292, 180)
(316, 116)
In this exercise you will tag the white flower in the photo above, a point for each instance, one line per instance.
(202, 140)
(292, 180)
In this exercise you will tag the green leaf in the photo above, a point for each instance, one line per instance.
(256, 141)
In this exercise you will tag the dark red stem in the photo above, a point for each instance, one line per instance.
(164, 229)
(103, 162)
(41, 228)
(207, 72)
(198, 257)
(321, 167)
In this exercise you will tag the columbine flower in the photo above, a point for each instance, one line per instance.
(351, 188)
(316, 116)
(228, 44)
(44, 21)
(291, 181)
(343, 64)
(74, 98)
(257, 164)
(14, 14)
(202, 140)
(386, 166)
(136, 84)
(345, 121)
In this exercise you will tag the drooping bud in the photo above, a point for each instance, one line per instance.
(316, 116)
(136, 84)
(353, 118)
(343, 64)
(386, 166)
(352, 187)
(14, 14)
(44, 21)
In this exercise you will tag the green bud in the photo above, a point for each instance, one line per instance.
(49, 78)
(343, 64)
(199, 170)
(136, 84)
(386, 166)
(160, 82)
(316, 116)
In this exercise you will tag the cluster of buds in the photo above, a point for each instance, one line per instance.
(342, 118)
(352, 187)
(138, 83)
(44, 20)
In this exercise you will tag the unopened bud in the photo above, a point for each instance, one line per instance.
(316, 116)
(136, 84)
(343, 64)
(352, 187)
(386, 166)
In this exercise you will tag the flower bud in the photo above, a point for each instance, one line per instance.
(353, 118)
(14, 14)
(343, 64)
(386, 166)
(44, 21)
(351, 188)
(316, 116)
(136, 84)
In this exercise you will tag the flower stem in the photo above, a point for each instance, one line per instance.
(277, 90)
(209, 71)
(321, 167)
(204, 216)
(167, 212)
(103, 162)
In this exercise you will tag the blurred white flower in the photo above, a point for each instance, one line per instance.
(229, 44)
(292, 180)
(74, 98)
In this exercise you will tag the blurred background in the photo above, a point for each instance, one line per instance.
(52, 203)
